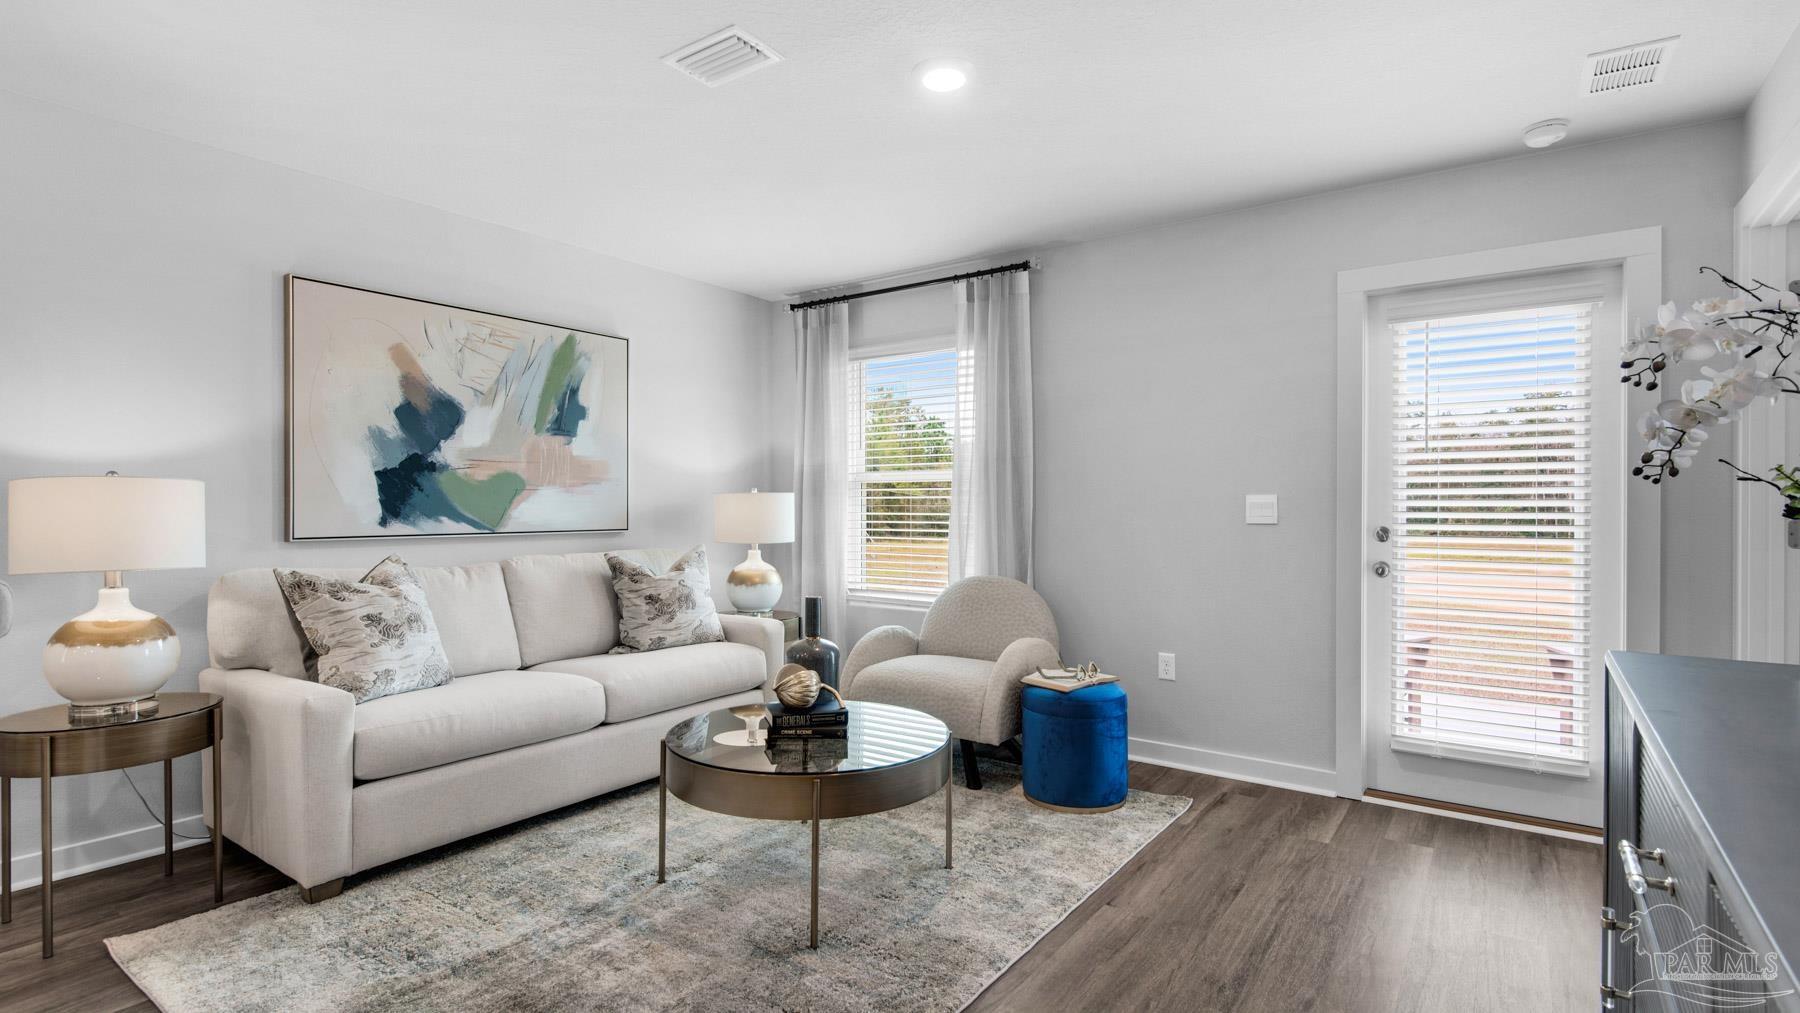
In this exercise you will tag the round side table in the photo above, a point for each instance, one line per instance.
(44, 743)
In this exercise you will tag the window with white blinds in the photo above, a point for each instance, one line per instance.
(1492, 580)
(903, 423)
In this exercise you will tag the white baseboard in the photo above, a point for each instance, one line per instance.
(103, 852)
(1295, 776)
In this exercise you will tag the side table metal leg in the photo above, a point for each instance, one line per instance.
(218, 808)
(813, 933)
(45, 896)
(168, 817)
(662, 816)
(5, 850)
(949, 793)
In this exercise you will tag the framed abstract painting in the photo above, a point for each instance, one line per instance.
(408, 417)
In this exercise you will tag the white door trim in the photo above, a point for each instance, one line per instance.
(1762, 610)
(1639, 252)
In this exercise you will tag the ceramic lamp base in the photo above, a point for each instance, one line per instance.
(753, 586)
(107, 659)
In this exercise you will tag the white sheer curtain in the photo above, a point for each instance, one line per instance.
(821, 463)
(990, 492)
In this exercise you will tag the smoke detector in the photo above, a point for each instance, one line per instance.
(1544, 133)
(1629, 67)
(725, 55)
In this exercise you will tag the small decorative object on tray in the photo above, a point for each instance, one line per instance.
(751, 734)
(801, 709)
(1067, 679)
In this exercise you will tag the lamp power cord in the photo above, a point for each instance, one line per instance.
(152, 812)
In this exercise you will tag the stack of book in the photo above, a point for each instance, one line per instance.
(826, 718)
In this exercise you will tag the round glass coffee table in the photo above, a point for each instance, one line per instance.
(891, 757)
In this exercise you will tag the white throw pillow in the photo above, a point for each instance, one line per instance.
(670, 609)
(371, 638)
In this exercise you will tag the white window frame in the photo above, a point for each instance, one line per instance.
(1639, 254)
(856, 477)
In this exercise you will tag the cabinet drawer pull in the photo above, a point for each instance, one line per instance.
(1635, 880)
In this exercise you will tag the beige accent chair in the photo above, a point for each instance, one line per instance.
(979, 638)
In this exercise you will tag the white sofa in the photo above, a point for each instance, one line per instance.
(539, 715)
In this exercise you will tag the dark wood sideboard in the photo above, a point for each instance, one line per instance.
(1702, 835)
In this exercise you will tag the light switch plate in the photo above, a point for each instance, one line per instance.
(1259, 508)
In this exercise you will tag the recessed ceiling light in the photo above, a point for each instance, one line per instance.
(942, 74)
(1544, 133)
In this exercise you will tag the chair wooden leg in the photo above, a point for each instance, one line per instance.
(971, 772)
(324, 891)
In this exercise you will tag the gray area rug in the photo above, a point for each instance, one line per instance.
(564, 913)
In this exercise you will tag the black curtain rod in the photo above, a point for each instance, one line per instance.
(1023, 265)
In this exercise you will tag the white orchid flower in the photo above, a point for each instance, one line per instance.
(1686, 415)
(1721, 306)
(1732, 389)
(1690, 341)
(1641, 342)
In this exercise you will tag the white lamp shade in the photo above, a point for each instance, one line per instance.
(74, 525)
(753, 518)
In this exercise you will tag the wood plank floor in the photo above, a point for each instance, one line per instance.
(1255, 899)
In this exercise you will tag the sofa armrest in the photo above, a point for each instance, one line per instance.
(287, 769)
(884, 643)
(1000, 711)
(765, 634)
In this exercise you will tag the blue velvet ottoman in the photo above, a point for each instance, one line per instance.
(1075, 748)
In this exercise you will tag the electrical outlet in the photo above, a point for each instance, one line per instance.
(1165, 667)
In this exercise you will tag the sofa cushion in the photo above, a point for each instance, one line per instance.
(563, 606)
(654, 681)
(372, 637)
(948, 688)
(471, 716)
(249, 625)
(667, 608)
(474, 618)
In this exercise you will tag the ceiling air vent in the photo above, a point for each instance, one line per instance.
(1629, 67)
(722, 56)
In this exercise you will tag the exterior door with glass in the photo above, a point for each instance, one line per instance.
(1494, 559)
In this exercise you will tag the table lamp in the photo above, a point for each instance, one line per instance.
(753, 518)
(109, 661)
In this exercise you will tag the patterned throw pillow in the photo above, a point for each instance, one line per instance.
(371, 638)
(658, 610)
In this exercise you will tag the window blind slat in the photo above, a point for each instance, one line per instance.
(1492, 592)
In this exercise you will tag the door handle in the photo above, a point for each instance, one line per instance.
(1381, 569)
(1635, 880)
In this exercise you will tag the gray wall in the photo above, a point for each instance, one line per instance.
(141, 328)
(1179, 368)
(1774, 113)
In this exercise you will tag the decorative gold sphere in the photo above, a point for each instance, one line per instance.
(797, 687)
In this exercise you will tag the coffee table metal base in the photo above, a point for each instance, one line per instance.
(801, 797)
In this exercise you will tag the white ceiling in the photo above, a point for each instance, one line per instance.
(1082, 118)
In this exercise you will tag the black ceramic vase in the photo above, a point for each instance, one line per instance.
(813, 651)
